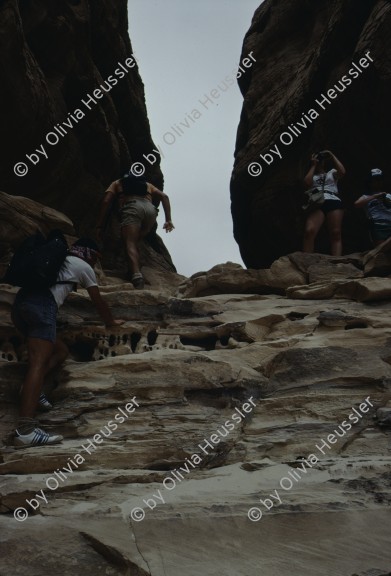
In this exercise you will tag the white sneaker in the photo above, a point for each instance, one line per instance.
(43, 403)
(36, 438)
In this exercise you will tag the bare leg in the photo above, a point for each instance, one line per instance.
(59, 355)
(312, 227)
(334, 224)
(40, 352)
(131, 236)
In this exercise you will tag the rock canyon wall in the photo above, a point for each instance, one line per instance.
(72, 108)
(302, 50)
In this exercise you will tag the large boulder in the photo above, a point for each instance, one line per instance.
(21, 217)
(288, 272)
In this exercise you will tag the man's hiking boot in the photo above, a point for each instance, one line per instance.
(138, 281)
(36, 438)
(43, 403)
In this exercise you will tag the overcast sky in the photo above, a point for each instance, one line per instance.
(185, 49)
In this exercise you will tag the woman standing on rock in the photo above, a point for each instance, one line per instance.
(326, 205)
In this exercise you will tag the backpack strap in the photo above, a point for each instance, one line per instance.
(74, 284)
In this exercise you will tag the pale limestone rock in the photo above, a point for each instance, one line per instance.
(228, 278)
(377, 262)
(325, 271)
(191, 363)
(383, 416)
(287, 273)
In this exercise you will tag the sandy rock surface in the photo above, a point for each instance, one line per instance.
(195, 414)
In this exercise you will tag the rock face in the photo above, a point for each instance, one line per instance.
(21, 217)
(58, 54)
(223, 426)
(302, 49)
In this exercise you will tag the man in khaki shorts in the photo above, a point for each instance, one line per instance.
(137, 201)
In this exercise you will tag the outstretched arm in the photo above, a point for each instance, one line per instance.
(168, 225)
(310, 174)
(105, 205)
(102, 307)
(364, 200)
(338, 165)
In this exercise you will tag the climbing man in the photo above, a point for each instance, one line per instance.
(34, 315)
(138, 201)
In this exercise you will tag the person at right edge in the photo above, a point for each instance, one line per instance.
(138, 201)
(377, 205)
(323, 176)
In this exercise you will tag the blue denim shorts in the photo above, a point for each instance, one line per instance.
(380, 231)
(34, 314)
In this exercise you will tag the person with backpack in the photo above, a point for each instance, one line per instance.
(34, 315)
(377, 205)
(138, 201)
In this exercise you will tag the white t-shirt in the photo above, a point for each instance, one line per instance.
(330, 184)
(74, 270)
